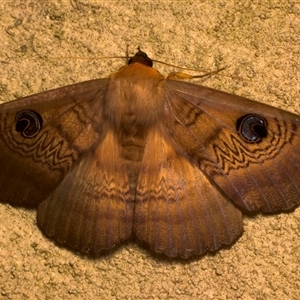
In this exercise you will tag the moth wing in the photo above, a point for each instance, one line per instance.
(91, 209)
(65, 123)
(204, 123)
(178, 211)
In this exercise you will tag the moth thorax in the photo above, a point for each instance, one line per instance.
(134, 99)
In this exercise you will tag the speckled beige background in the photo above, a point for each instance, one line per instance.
(257, 40)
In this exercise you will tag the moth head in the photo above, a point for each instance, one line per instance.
(142, 58)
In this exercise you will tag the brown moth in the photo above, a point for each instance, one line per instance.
(136, 154)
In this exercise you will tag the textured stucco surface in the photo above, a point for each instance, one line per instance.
(257, 40)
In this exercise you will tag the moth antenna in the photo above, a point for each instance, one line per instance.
(178, 67)
(172, 75)
(88, 58)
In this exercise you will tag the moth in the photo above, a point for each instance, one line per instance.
(170, 163)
